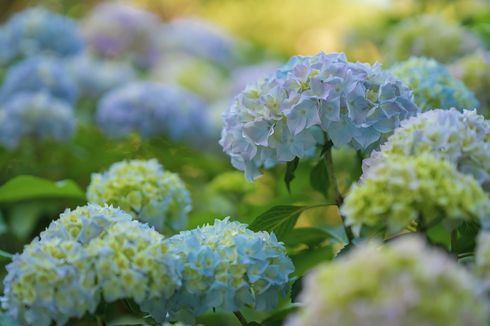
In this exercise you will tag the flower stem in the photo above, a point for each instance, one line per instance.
(339, 199)
(240, 318)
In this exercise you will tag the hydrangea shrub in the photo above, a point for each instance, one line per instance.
(144, 190)
(285, 115)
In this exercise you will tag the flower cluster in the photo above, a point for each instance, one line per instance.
(433, 86)
(118, 30)
(38, 116)
(90, 253)
(200, 39)
(152, 109)
(429, 36)
(391, 285)
(482, 258)
(462, 138)
(227, 266)
(423, 189)
(39, 74)
(474, 71)
(283, 116)
(132, 260)
(94, 77)
(52, 280)
(146, 191)
(39, 31)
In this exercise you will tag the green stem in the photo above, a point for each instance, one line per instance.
(240, 318)
(100, 321)
(339, 199)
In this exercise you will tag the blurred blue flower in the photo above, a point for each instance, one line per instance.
(36, 115)
(94, 77)
(283, 116)
(152, 109)
(39, 74)
(201, 39)
(37, 31)
(118, 30)
(227, 266)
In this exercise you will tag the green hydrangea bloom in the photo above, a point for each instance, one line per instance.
(232, 182)
(50, 282)
(131, 260)
(430, 36)
(402, 190)
(433, 86)
(462, 138)
(146, 191)
(474, 71)
(404, 283)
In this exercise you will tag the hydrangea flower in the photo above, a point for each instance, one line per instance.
(39, 74)
(38, 116)
(429, 36)
(84, 223)
(243, 76)
(146, 191)
(118, 30)
(279, 118)
(227, 266)
(7, 46)
(462, 138)
(50, 282)
(152, 109)
(95, 77)
(37, 31)
(474, 71)
(201, 39)
(482, 258)
(433, 86)
(400, 284)
(404, 189)
(132, 261)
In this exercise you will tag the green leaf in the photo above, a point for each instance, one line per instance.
(277, 318)
(291, 167)
(5, 255)
(347, 248)
(23, 219)
(309, 236)
(306, 260)
(278, 219)
(26, 187)
(319, 179)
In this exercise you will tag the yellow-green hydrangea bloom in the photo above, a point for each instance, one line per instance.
(132, 261)
(402, 190)
(51, 281)
(404, 283)
(143, 189)
(462, 138)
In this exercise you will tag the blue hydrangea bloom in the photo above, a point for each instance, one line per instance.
(7, 46)
(227, 266)
(40, 31)
(36, 115)
(201, 39)
(283, 116)
(153, 109)
(433, 86)
(94, 77)
(39, 74)
(118, 30)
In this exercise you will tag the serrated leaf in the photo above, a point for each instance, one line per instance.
(26, 187)
(278, 219)
(306, 260)
(319, 179)
(291, 167)
(277, 318)
(309, 236)
(347, 248)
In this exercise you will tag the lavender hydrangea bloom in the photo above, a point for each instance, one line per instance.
(152, 109)
(122, 31)
(95, 77)
(38, 30)
(201, 39)
(39, 74)
(36, 115)
(433, 86)
(227, 266)
(280, 117)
